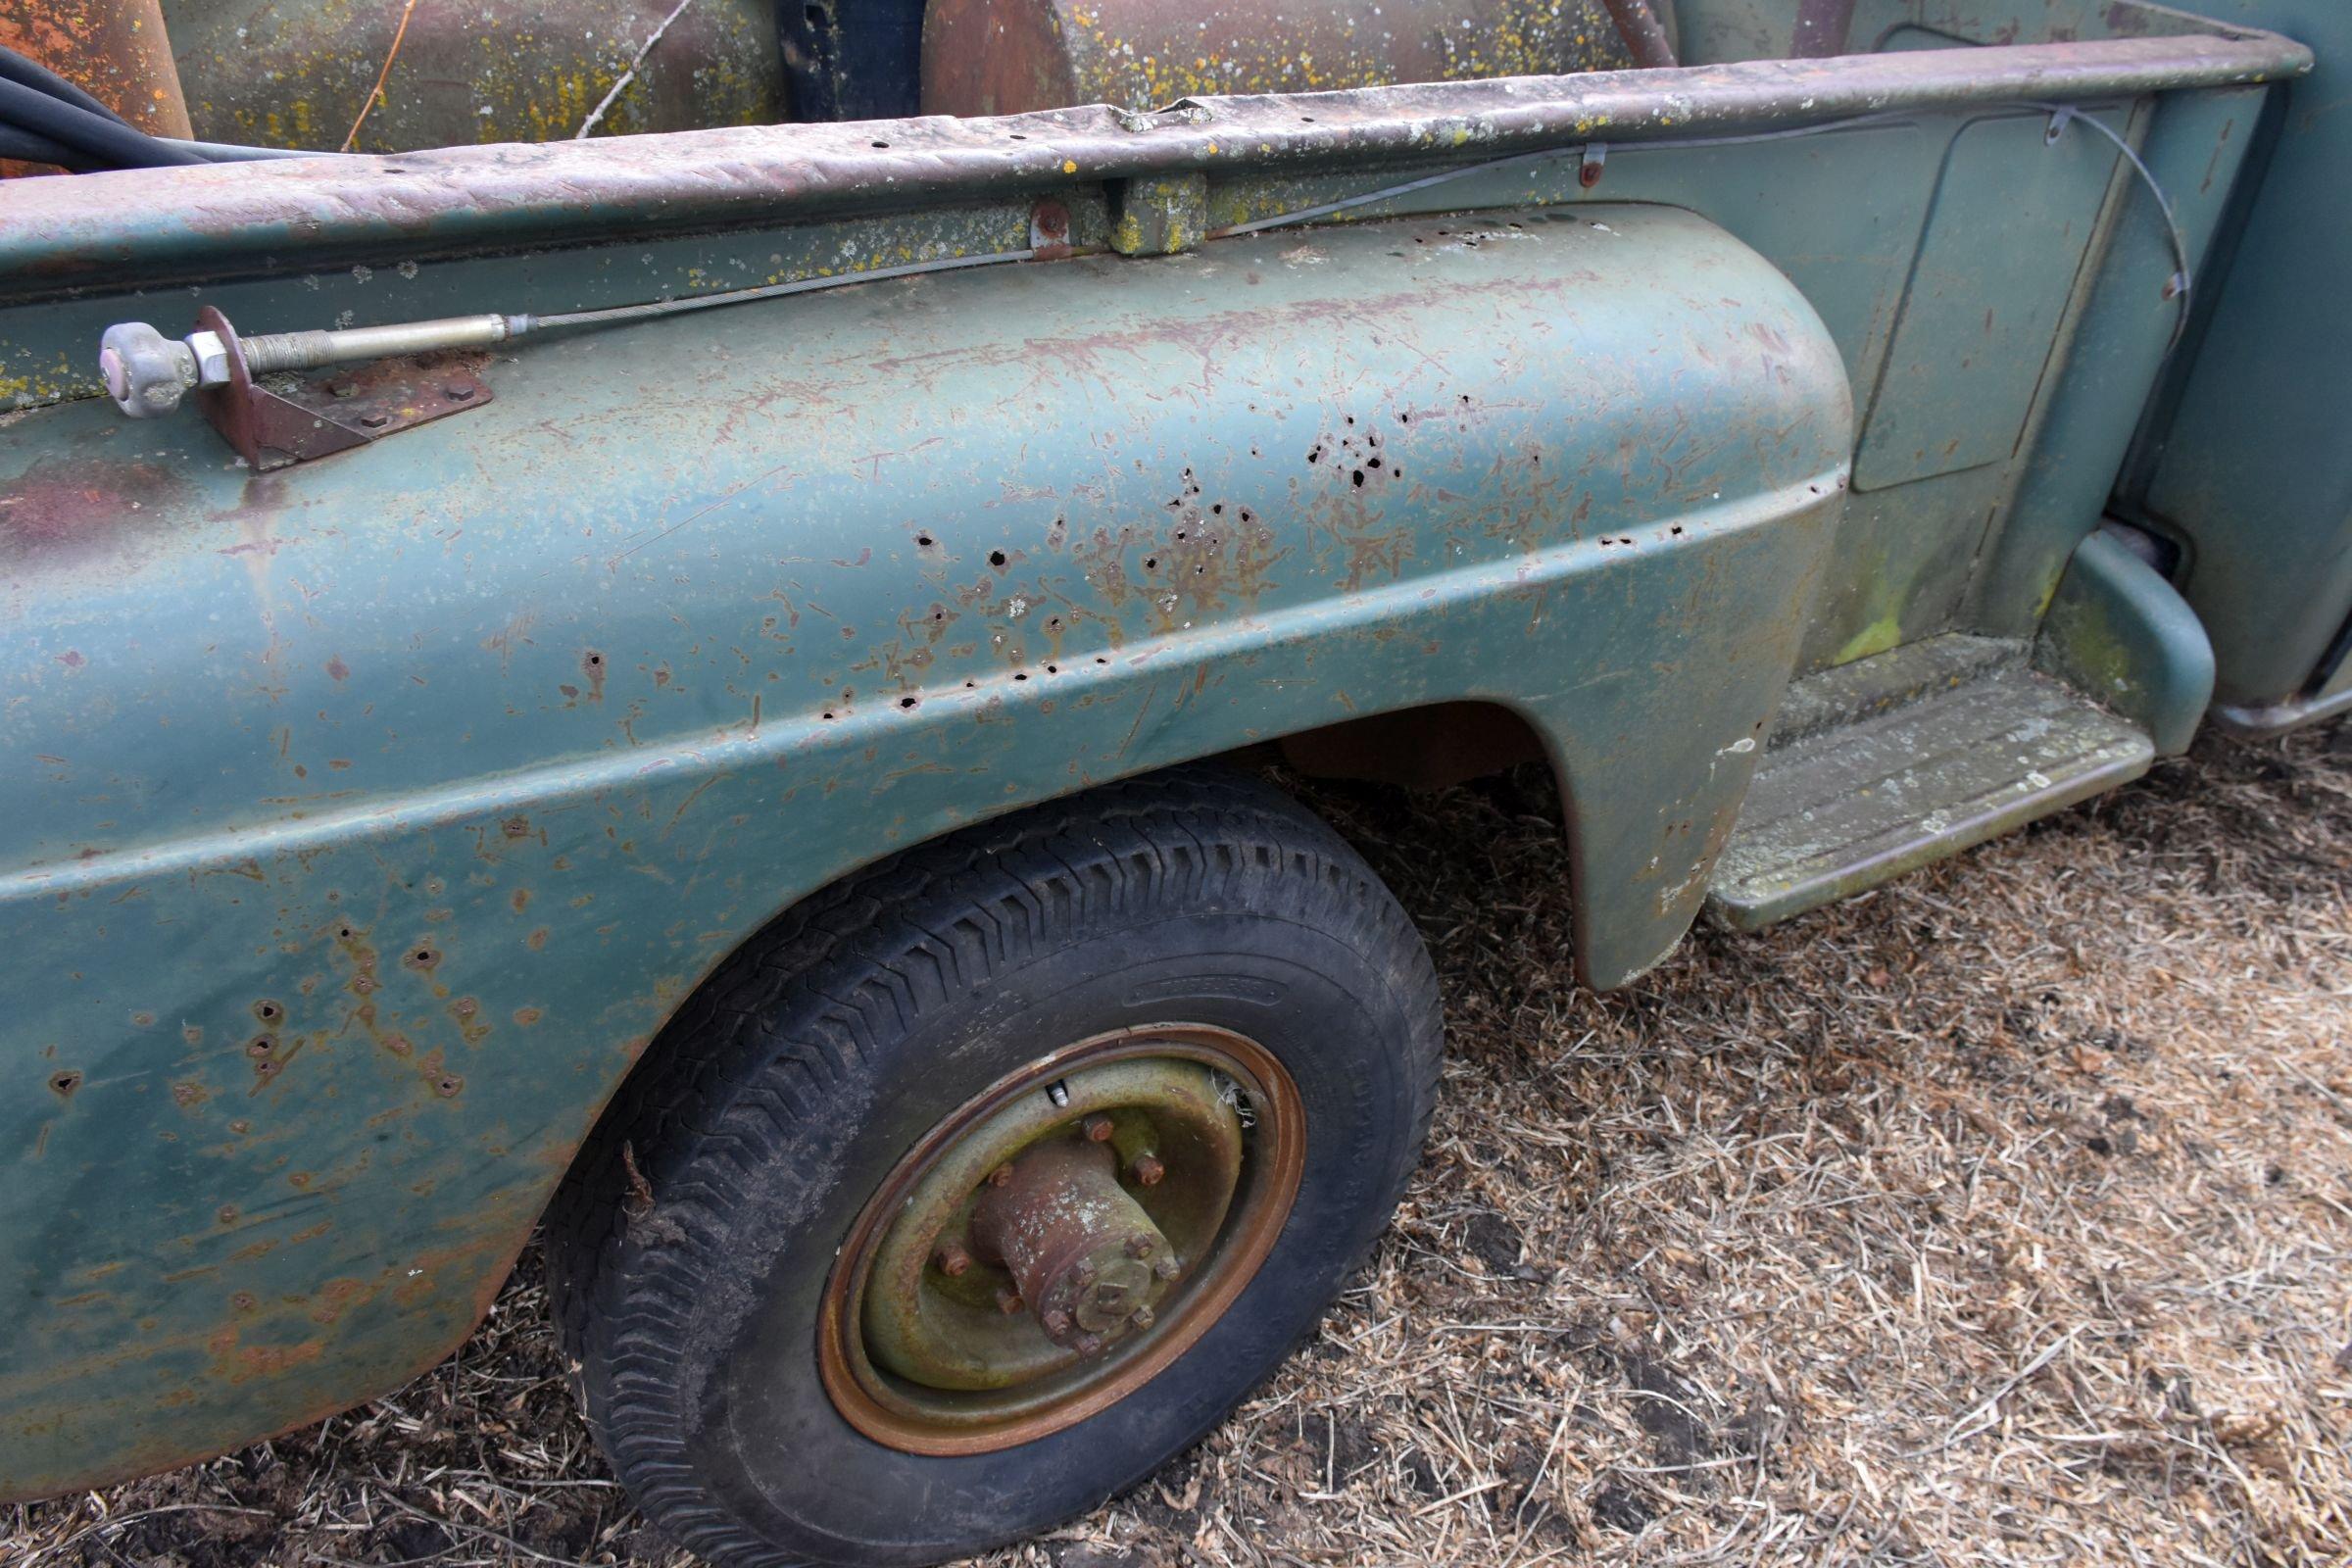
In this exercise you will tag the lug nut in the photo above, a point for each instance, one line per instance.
(1142, 1317)
(953, 1259)
(1148, 1171)
(1008, 1302)
(1167, 1268)
(1098, 1129)
(1139, 1248)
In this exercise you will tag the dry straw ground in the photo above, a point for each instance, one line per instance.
(2002, 1218)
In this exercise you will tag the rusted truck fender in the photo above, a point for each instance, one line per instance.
(366, 819)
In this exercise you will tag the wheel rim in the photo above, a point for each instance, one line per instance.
(1049, 1247)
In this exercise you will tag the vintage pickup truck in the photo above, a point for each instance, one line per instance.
(701, 690)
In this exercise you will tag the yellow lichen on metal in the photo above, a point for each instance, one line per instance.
(1133, 53)
(297, 76)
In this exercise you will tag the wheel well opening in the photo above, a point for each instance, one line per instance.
(1417, 748)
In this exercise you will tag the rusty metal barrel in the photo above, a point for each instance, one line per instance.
(1003, 57)
(116, 50)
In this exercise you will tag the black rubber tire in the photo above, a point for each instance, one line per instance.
(771, 1108)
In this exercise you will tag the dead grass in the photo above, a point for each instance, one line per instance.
(1999, 1217)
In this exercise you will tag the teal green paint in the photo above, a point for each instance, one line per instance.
(2250, 471)
(2119, 340)
(470, 753)
(473, 751)
(2119, 632)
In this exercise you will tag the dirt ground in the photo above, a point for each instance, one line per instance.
(2002, 1216)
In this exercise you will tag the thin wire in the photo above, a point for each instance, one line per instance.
(1444, 175)
(519, 325)
(2064, 115)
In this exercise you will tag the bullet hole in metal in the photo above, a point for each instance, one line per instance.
(996, 557)
(260, 1046)
(1216, 510)
(63, 1084)
(907, 702)
(922, 541)
(448, 1084)
(1374, 464)
(267, 1010)
(1151, 562)
(422, 959)
(1355, 477)
(1052, 670)
(1315, 454)
(829, 716)
(882, 144)
(1100, 659)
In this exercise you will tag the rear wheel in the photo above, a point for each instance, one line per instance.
(985, 1182)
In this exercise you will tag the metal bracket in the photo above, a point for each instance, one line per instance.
(317, 419)
(1159, 214)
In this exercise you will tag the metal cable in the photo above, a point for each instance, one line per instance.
(2064, 115)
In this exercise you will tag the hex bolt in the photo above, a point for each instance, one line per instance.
(953, 1259)
(1056, 1322)
(1009, 1302)
(1083, 1270)
(1167, 1268)
(1139, 1246)
(1142, 1317)
(1087, 1344)
(1148, 1171)
(1098, 1129)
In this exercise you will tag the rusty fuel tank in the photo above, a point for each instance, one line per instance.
(1001, 57)
(297, 73)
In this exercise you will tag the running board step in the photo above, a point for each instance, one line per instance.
(1840, 809)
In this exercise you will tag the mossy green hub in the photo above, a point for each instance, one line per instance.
(1053, 1242)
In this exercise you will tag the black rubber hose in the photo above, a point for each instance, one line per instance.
(29, 73)
(30, 148)
(106, 142)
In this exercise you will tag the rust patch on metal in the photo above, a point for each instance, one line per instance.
(115, 50)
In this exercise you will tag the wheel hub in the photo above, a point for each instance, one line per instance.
(1083, 1254)
(1059, 1239)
